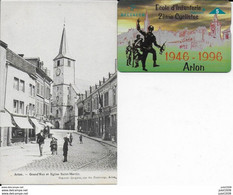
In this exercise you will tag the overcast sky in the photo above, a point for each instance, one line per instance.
(34, 29)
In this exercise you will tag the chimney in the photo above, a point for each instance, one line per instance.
(103, 80)
(90, 89)
(99, 83)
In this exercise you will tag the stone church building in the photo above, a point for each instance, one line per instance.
(64, 89)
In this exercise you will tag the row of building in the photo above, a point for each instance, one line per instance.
(97, 109)
(25, 97)
(30, 100)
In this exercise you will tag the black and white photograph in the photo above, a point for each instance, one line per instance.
(58, 102)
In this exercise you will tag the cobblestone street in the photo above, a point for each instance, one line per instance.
(91, 155)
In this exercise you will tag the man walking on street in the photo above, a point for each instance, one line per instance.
(71, 139)
(65, 148)
(40, 141)
(81, 139)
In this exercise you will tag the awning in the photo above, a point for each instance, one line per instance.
(22, 122)
(43, 124)
(49, 124)
(5, 120)
(39, 127)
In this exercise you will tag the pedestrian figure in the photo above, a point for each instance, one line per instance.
(65, 148)
(53, 145)
(137, 53)
(40, 141)
(81, 139)
(71, 139)
(128, 53)
(46, 131)
(147, 45)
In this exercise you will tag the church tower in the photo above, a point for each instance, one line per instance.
(63, 80)
(215, 28)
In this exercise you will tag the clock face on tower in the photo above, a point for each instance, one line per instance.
(58, 71)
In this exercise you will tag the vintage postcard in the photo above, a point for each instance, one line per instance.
(174, 36)
(58, 102)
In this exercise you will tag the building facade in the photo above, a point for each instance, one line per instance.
(64, 89)
(5, 117)
(18, 121)
(97, 109)
(42, 90)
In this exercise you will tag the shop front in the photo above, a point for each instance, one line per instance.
(37, 127)
(23, 131)
(5, 128)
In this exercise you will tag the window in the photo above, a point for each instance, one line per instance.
(33, 91)
(114, 97)
(94, 103)
(42, 91)
(80, 111)
(16, 83)
(41, 108)
(57, 113)
(69, 63)
(89, 107)
(97, 102)
(30, 87)
(22, 86)
(32, 109)
(106, 99)
(101, 100)
(37, 107)
(37, 88)
(21, 107)
(16, 106)
(47, 93)
(58, 63)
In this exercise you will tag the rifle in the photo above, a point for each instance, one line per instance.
(162, 49)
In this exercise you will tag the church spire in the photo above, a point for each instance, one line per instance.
(63, 51)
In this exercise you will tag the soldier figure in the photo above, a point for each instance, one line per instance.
(128, 54)
(137, 50)
(147, 46)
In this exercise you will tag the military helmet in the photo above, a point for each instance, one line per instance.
(138, 36)
(150, 28)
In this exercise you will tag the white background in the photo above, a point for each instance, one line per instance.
(175, 135)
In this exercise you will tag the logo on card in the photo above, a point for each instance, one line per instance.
(217, 11)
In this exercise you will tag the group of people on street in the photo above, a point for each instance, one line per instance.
(141, 47)
(68, 139)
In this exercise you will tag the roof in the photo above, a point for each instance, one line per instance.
(63, 52)
(77, 91)
(20, 63)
